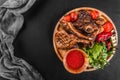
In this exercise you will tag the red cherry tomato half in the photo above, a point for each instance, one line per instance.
(73, 16)
(94, 14)
(67, 18)
(108, 26)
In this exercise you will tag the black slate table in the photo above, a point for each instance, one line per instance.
(34, 41)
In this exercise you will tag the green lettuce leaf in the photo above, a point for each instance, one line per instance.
(97, 55)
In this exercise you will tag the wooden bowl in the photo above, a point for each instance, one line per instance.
(80, 69)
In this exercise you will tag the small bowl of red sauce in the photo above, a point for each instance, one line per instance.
(75, 61)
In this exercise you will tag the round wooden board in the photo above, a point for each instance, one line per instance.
(114, 37)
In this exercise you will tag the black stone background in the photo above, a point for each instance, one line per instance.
(34, 41)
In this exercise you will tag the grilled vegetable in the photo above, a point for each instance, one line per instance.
(102, 37)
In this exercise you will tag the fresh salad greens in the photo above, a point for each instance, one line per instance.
(98, 55)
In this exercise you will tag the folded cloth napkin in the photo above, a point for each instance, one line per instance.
(11, 21)
(2, 1)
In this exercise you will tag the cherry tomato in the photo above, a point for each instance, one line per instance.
(94, 14)
(67, 18)
(73, 16)
(108, 26)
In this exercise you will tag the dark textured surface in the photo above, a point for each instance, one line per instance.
(34, 42)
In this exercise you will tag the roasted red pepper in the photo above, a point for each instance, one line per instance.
(104, 36)
(108, 45)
